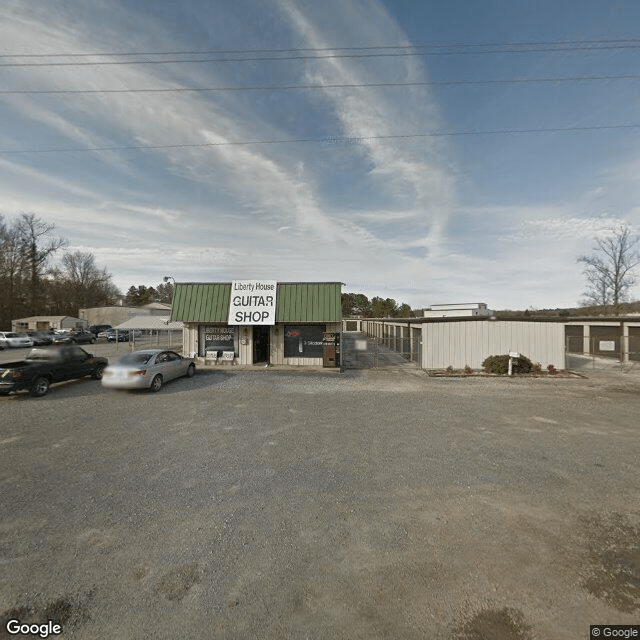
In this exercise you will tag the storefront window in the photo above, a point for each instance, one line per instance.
(303, 341)
(219, 339)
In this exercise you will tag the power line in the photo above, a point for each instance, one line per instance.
(604, 45)
(435, 83)
(337, 140)
(566, 43)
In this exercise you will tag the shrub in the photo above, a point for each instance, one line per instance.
(500, 364)
(552, 370)
(468, 370)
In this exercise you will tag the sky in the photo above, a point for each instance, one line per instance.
(431, 152)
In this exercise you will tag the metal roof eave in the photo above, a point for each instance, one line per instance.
(197, 302)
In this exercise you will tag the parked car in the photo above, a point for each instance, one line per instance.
(97, 329)
(147, 369)
(12, 339)
(117, 335)
(79, 336)
(40, 338)
(45, 365)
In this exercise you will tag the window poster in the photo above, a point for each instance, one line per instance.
(303, 341)
(216, 338)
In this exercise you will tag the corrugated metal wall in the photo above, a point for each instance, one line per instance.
(458, 344)
(461, 343)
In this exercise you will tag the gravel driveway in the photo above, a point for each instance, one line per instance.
(371, 504)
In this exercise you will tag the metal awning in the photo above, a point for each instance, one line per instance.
(150, 322)
(297, 302)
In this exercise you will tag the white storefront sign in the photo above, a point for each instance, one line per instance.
(253, 302)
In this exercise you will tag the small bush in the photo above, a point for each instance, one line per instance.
(468, 370)
(500, 364)
(552, 370)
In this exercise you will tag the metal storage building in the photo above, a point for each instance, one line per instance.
(437, 343)
(469, 342)
(46, 323)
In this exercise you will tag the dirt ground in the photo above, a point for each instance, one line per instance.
(370, 504)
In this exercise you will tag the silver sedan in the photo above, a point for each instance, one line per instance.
(147, 369)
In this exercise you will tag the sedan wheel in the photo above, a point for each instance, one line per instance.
(191, 370)
(40, 387)
(97, 374)
(156, 383)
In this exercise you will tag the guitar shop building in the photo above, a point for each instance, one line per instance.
(251, 322)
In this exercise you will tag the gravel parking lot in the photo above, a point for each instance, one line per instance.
(370, 504)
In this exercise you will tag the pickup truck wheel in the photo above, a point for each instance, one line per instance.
(156, 383)
(40, 387)
(97, 374)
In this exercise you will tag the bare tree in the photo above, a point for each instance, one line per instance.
(79, 283)
(37, 246)
(30, 287)
(609, 270)
(11, 275)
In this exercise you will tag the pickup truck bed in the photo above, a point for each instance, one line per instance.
(45, 365)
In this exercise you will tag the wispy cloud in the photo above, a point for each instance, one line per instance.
(360, 208)
(409, 171)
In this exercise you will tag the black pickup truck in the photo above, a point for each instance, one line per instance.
(46, 365)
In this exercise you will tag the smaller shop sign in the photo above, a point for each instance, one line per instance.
(253, 302)
(219, 339)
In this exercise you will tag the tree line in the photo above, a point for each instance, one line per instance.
(39, 277)
(357, 304)
(140, 295)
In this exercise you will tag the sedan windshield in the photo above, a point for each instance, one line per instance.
(136, 358)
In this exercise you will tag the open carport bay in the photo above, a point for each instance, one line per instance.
(299, 505)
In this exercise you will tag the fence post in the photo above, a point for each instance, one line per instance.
(586, 340)
(624, 343)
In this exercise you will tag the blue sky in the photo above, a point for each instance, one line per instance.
(355, 184)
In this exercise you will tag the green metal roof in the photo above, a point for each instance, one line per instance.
(297, 302)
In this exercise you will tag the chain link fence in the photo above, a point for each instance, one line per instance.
(133, 340)
(361, 351)
(603, 349)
